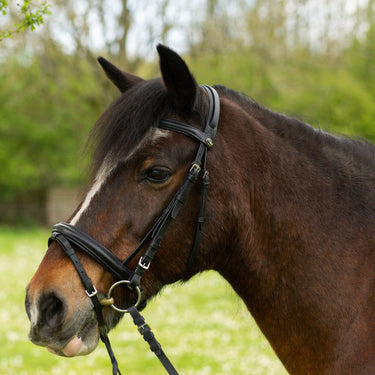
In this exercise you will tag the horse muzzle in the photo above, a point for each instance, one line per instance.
(62, 332)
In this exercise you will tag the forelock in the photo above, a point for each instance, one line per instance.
(125, 123)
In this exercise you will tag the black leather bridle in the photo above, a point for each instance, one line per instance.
(67, 235)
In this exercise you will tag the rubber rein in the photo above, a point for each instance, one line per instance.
(68, 235)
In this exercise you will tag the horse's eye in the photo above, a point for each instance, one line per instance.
(158, 175)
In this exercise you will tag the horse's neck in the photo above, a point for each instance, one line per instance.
(284, 261)
(271, 183)
(270, 177)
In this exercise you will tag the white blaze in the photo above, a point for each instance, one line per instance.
(99, 180)
(106, 169)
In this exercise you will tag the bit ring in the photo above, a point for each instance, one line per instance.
(137, 292)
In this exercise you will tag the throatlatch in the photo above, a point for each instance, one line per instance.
(67, 235)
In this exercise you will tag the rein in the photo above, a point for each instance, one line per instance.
(67, 235)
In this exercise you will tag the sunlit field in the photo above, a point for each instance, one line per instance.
(203, 326)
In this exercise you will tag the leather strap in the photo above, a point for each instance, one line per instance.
(158, 233)
(145, 330)
(94, 249)
(201, 218)
(92, 294)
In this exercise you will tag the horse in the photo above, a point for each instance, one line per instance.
(289, 222)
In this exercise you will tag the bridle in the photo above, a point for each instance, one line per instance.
(67, 235)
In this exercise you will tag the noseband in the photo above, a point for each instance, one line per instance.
(67, 235)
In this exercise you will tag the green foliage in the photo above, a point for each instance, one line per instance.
(30, 15)
(3, 7)
(335, 101)
(328, 94)
(46, 111)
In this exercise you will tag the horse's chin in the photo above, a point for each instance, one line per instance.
(78, 345)
(75, 347)
(86, 338)
(82, 342)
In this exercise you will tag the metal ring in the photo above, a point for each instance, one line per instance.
(137, 291)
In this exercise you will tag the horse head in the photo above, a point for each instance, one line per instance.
(138, 168)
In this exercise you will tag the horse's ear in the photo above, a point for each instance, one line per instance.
(123, 81)
(181, 85)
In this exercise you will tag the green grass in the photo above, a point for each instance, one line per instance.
(203, 326)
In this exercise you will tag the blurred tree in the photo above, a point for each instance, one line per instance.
(45, 116)
(363, 50)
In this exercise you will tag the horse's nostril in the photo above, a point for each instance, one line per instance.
(52, 310)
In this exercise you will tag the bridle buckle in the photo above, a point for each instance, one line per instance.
(142, 265)
(94, 293)
(195, 167)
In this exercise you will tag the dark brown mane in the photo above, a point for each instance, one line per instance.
(126, 121)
